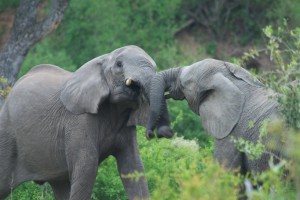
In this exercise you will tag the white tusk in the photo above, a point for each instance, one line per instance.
(128, 82)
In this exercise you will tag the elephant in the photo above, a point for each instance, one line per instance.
(57, 126)
(227, 98)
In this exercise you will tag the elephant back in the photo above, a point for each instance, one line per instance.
(47, 68)
(44, 75)
(36, 88)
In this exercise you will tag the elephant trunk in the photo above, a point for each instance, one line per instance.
(163, 81)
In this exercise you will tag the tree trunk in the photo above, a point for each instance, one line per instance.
(26, 31)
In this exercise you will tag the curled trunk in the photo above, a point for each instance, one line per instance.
(162, 82)
(163, 122)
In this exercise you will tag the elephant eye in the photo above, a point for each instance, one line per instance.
(119, 64)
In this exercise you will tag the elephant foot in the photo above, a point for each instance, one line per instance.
(164, 132)
(149, 134)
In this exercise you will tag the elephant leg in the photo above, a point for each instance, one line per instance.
(61, 189)
(83, 179)
(82, 161)
(228, 155)
(7, 179)
(258, 165)
(5, 190)
(131, 169)
(136, 187)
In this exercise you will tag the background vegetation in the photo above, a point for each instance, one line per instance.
(177, 33)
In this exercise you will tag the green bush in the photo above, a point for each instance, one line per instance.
(92, 28)
(283, 46)
(8, 4)
(33, 191)
(179, 169)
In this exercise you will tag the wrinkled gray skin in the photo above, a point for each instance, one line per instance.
(227, 98)
(58, 126)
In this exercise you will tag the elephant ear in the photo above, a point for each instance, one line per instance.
(221, 109)
(86, 89)
(243, 74)
(140, 116)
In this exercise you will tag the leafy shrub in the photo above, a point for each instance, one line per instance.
(31, 190)
(162, 159)
(184, 172)
(8, 4)
(92, 28)
(284, 49)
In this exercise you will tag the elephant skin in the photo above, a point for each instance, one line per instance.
(227, 98)
(57, 126)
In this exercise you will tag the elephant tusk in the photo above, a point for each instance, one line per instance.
(128, 82)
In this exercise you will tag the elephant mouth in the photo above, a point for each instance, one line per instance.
(126, 92)
(135, 86)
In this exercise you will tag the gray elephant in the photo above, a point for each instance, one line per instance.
(57, 126)
(227, 98)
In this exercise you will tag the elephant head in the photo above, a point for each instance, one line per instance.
(211, 90)
(122, 76)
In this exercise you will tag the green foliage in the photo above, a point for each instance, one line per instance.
(180, 169)
(112, 24)
(251, 149)
(8, 4)
(31, 190)
(44, 53)
(272, 184)
(211, 48)
(284, 48)
(5, 88)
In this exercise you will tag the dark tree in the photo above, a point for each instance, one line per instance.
(27, 30)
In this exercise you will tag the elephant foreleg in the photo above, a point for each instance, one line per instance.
(4, 191)
(228, 155)
(131, 169)
(83, 175)
(7, 179)
(61, 189)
